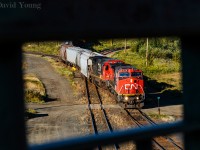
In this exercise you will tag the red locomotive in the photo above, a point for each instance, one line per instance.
(123, 80)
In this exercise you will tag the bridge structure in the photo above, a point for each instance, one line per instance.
(60, 20)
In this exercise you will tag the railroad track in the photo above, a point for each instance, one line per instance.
(92, 114)
(141, 120)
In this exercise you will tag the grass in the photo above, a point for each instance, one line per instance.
(107, 44)
(61, 68)
(67, 72)
(170, 78)
(163, 117)
(29, 113)
(156, 67)
(34, 90)
(157, 116)
(43, 47)
(161, 70)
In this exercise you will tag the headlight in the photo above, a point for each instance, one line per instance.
(126, 98)
(137, 98)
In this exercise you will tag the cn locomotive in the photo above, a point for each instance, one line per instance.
(123, 80)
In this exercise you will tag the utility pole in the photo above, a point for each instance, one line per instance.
(158, 98)
(147, 53)
(111, 42)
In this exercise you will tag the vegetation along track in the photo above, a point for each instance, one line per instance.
(141, 119)
(95, 114)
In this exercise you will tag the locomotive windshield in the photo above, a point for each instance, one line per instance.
(124, 74)
(136, 74)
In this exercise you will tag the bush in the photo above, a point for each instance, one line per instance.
(177, 56)
(33, 97)
(156, 65)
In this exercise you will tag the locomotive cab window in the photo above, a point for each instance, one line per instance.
(124, 74)
(136, 74)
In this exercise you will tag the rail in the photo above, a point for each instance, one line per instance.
(159, 146)
(103, 111)
(90, 110)
(105, 116)
(149, 120)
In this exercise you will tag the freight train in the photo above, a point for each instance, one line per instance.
(123, 80)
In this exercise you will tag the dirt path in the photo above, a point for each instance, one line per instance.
(62, 117)
(57, 87)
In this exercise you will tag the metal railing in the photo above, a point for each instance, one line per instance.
(140, 134)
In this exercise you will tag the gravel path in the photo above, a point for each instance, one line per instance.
(62, 117)
(57, 87)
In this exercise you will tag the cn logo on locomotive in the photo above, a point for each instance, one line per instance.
(131, 86)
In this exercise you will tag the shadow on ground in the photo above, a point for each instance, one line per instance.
(47, 99)
(168, 95)
(34, 115)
